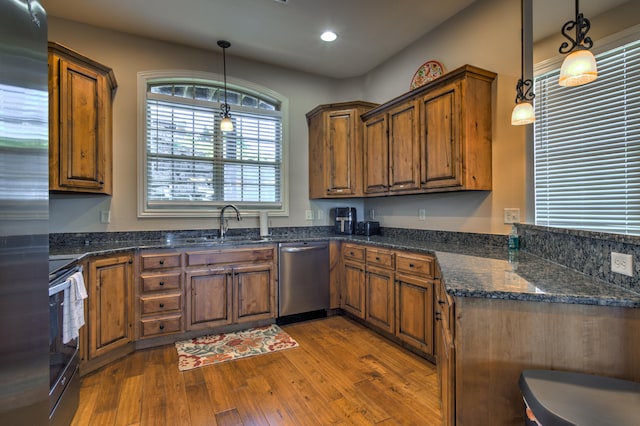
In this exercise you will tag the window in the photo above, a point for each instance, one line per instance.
(587, 147)
(191, 168)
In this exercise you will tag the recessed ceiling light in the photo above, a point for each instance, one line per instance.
(328, 36)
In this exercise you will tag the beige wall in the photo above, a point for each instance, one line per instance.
(128, 55)
(486, 35)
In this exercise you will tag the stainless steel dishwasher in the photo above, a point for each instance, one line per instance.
(303, 282)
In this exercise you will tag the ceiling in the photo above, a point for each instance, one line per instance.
(286, 32)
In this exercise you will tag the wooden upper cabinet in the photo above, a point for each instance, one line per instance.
(376, 155)
(335, 147)
(80, 122)
(404, 147)
(456, 133)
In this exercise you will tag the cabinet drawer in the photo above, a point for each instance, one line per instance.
(160, 282)
(157, 304)
(380, 258)
(212, 257)
(160, 260)
(163, 325)
(416, 265)
(353, 252)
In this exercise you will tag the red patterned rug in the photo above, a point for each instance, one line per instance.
(206, 350)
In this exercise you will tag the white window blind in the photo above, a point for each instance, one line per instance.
(587, 147)
(190, 163)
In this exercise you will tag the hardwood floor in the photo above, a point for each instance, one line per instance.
(342, 374)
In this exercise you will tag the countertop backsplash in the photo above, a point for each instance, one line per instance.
(585, 251)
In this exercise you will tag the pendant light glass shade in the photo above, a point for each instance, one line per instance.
(522, 114)
(578, 68)
(226, 125)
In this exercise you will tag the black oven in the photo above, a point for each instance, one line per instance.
(64, 360)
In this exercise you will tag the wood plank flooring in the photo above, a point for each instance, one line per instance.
(342, 374)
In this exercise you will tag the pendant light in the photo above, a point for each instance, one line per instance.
(226, 125)
(579, 67)
(523, 111)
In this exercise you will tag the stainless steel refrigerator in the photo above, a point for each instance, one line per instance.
(24, 213)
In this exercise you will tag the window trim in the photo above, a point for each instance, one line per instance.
(147, 211)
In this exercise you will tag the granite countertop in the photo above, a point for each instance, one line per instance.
(468, 269)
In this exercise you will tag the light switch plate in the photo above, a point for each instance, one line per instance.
(309, 214)
(105, 216)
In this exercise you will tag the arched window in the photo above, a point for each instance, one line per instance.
(190, 167)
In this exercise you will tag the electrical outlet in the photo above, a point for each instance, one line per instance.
(105, 216)
(372, 214)
(320, 215)
(511, 216)
(422, 214)
(309, 214)
(622, 263)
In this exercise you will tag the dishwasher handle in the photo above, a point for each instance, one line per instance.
(302, 248)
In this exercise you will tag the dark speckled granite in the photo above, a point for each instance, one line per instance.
(472, 265)
(585, 251)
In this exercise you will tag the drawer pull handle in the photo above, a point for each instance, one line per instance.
(161, 327)
(411, 265)
(377, 258)
(441, 302)
(162, 305)
(161, 283)
(161, 262)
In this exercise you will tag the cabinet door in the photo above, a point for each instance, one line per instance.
(404, 147)
(80, 126)
(380, 298)
(340, 152)
(254, 290)
(376, 155)
(446, 373)
(414, 312)
(110, 304)
(441, 163)
(209, 298)
(353, 292)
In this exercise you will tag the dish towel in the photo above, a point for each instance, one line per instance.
(73, 309)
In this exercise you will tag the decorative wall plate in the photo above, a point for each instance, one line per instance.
(427, 72)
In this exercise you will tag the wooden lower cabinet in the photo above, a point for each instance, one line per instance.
(414, 312)
(209, 298)
(391, 290)
(445, 352)
(234, 286)
(254, 293)
(353, 300)
(108, 333)
(380, 298)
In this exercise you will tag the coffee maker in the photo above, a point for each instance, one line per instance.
(345, 220)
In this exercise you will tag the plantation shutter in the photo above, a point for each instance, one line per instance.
(190, 161)
(587, 147)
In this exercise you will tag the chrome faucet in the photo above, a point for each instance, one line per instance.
(224, 224)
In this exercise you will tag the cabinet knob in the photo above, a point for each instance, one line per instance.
(161, 262)
(377, 258)
(161, 327)
(162, 305)
(411, 265)
(438, 316)
(101, 182)
(161, 283)
(441, 302)
(351, 253)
